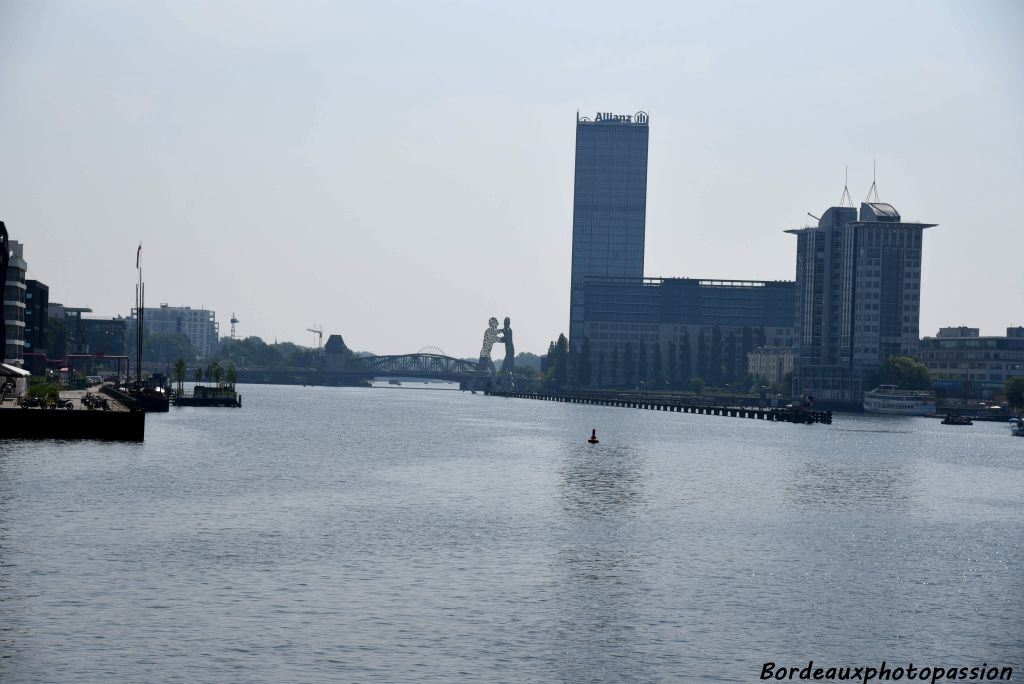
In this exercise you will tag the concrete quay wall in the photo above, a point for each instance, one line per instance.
(35, 423)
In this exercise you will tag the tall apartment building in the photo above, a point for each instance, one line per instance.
(14, 305)
(198, 325)
(858, 295)
(609, 205)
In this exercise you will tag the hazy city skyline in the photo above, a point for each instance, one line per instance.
(400, 172)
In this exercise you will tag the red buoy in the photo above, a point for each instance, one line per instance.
(593, 437)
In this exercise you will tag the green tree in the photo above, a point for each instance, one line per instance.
(253, 352)
(217, 373)
(527, 359)
(657, 376)
(786, 387)
(729, 353)
(165, 347)
(179, 373)
(745, 383)
(673, 365)
(698, 384)
(572, 363)
(746, 345)
(703, 360)
(614, 379)
(527, 378)
(199, 375)
(561, 374)
(641, 362)
(628, 366)
(685, 362)
(1014, 390)
(905, 372)
(715, 357)
(231, 376)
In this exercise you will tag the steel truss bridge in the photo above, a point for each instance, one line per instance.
(432, 366)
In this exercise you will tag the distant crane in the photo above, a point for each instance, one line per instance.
(233, 322)
(319, 332)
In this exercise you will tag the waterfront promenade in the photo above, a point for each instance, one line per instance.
(119, 422)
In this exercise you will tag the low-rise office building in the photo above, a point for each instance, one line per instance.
(698, 328)
(981, 364)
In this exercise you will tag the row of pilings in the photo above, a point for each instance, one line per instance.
(785, 415)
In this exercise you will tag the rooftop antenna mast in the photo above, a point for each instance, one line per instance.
(873, 192)
(234, 320)
(846, 200)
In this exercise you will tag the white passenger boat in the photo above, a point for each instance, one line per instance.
(1017, 427)
(890, 399)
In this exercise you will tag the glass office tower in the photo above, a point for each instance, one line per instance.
(609, 205)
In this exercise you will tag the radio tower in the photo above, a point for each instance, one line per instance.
(233, 322)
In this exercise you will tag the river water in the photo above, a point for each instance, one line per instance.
(408, 535)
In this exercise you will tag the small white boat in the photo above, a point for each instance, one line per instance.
(891, 399)
(1017, 427)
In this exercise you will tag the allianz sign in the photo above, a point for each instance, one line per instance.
(638, 118)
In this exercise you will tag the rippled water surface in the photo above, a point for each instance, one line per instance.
(402, 535)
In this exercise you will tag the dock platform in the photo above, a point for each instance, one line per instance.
(120, 423)
(785, 415)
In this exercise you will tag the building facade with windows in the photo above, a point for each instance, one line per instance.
(978, 363)
(37, 300)
(14, 305)
(858, 295)
(71, 317)
(769, 365)
(107, 336)
(609, 205)
(198, 325)
(698, 328)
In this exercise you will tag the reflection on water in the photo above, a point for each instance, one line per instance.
(839, 486)
(598, 480)
(599, 566)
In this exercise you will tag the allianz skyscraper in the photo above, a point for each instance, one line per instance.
(609, 204)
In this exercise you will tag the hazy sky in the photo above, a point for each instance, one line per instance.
(399, 172)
